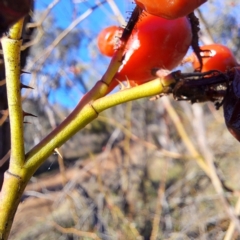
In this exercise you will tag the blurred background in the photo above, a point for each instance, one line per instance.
(143, 170)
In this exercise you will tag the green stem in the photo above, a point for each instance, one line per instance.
(11, 50)
(80, 117)
(13, 185)
(10, 196)
(15, 32)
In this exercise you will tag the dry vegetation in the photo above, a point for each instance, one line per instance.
(144, 170)
(144, 185)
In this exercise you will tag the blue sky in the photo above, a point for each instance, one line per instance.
(64, 13)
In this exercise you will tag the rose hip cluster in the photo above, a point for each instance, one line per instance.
(160, 40)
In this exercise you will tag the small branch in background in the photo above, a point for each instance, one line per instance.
(42, 58)
(5, 158)
(2, 82)
(82, 115)
(160, 152)
(116, 12)
(62, 169)
(184, 136)
(231, 228)
(159, 204)
(39, 25)
(127, 225)
(4, 117)
(75, 231)
(11, 48)
(126, 166)
(207, 37)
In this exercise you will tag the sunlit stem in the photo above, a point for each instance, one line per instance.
(11, 50)
(80, 117)
(15, 178)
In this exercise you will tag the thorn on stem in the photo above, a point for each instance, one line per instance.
(25, 86)
(122, 86)
(25, 114)
(56, 150)
(24, 72)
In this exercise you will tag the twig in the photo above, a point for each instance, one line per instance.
(116, 12)
(5, 158)
(231, 228)
(5, 114)
(180, 128)
(39, 26)
(161, 193)
(41, 59)
(64, 182)
(126, 158)
(75, 232)
(81, 116)
(204, 22)
(160, 151)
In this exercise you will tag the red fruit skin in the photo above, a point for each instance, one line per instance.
(156, 43)
(221, 58)
(231, 106)
(11, 11)
(169, 9)
(107, 40)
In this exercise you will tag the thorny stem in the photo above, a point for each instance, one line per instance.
(20, 171)
(14, 182)
(11, 49)
(194, 22)
(77, 118)
(10, 196)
